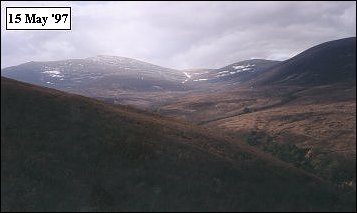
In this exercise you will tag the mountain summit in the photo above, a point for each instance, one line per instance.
(101, 72)
(328, 63)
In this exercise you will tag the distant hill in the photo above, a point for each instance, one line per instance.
(64, 152)
(234, 73)
(327, 63)
(102, 73)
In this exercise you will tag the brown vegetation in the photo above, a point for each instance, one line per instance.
(69, 153)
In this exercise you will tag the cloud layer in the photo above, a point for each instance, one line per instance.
(182, 34)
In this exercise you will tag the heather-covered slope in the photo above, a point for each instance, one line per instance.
(66, 152)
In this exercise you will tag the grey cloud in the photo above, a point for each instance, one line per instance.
(184, 34)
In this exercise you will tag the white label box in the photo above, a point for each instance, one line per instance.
(38, 18)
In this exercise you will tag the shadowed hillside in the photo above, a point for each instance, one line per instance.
(328, 63)
(66, 152)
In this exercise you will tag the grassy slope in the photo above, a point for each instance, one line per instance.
(323, 117)
(67, 152)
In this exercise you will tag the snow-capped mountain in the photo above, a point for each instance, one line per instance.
(99, 71)
(237, 72)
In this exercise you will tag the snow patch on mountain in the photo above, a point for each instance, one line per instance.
(54, 73)
(187, 75)
(236, 69)
(201, 79)
(241, 67)
(222, 72)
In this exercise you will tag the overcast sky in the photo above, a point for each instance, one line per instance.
(182, 34)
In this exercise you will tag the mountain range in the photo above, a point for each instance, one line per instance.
(327, 63)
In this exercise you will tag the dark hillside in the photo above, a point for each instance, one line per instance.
(63, 152)
(328, 63)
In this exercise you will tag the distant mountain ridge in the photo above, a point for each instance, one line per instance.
(243, 71)
(103, 71)
(120, 79)
(327, 63)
